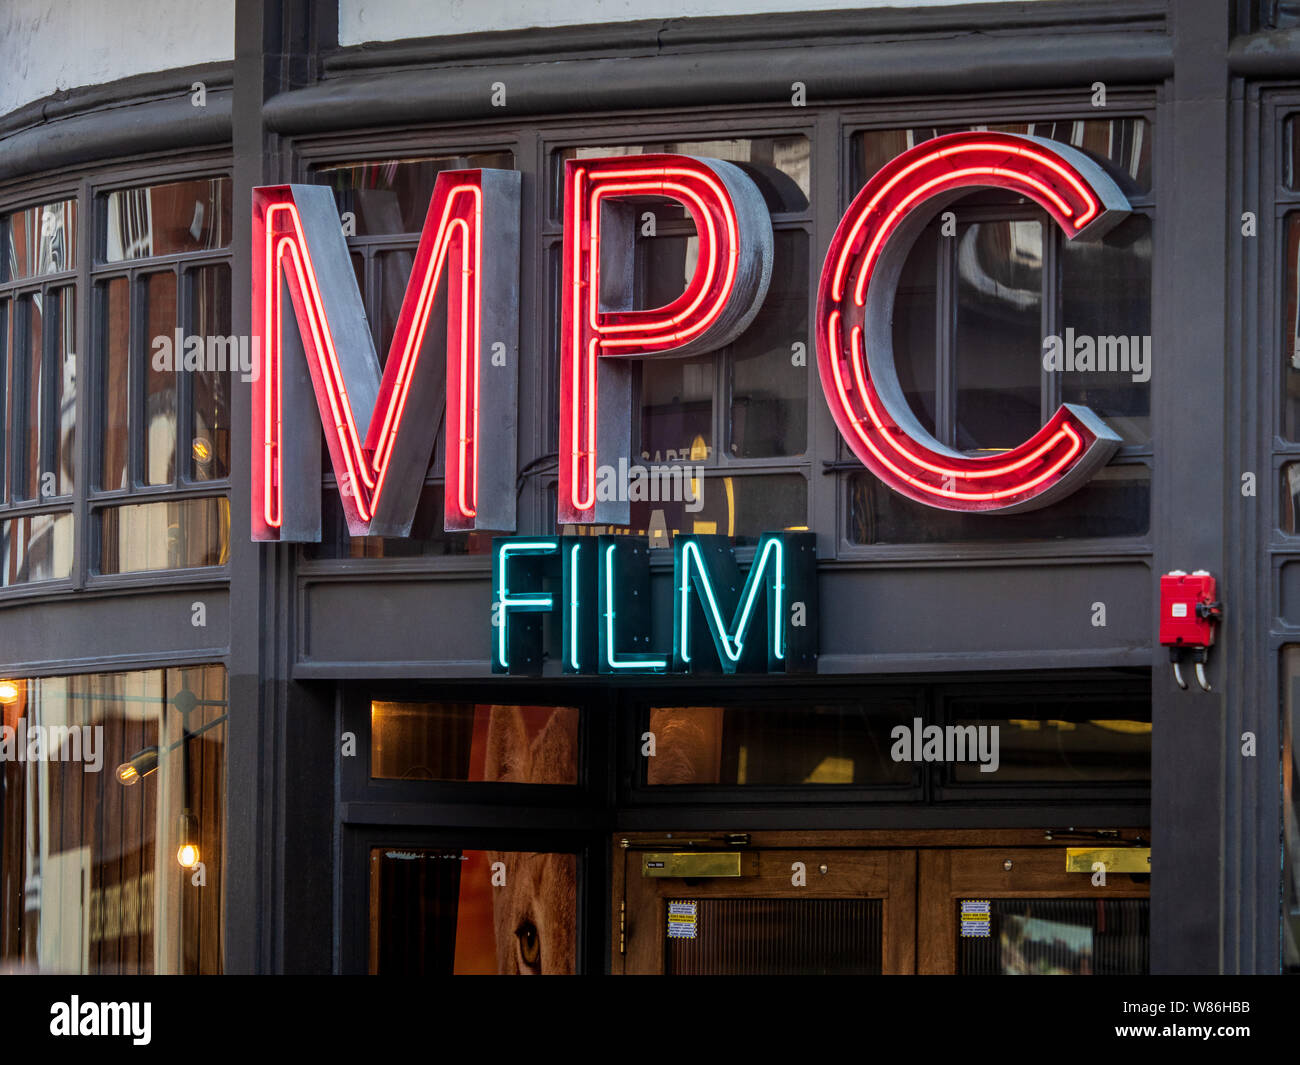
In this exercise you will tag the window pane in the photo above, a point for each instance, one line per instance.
(159, 385)
(778, 746)
(1116, 502)
(1059, 741)
(999, 333)
(437, 913)
(183, 216)
(37, 547)
(1123, 144)
(34, 380)
(209, 429)
(769, 393)
(915, 341)
(427, 539)
(89, 868)
(42, 240)
(1291, 332)
(64, 382)
(676, 394)
(7, 416)
(779, 166)
(392, 196)
(115, 323)
(1058, 937)
(1106, 298)
(462, 741)
(1290, 700)
(1291, 498)
(181, 534)
(743, 507)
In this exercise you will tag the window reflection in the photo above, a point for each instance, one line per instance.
(89, 877)
(1123, 144)
(437, 912)
(179, 534)
(474, 742)
(35, 547)
(170, 219)
(392, 195)
(779, 166)
(999, 333)
(778, 746)
(41, 240)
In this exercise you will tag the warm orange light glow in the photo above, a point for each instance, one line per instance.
(187, 855)
(9, 692)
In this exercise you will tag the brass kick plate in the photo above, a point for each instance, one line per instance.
(699, 864)
(1115, 859)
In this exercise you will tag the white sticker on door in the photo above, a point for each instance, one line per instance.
(975, 918)
(682, 920)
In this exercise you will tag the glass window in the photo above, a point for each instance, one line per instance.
(35, 547)
(164, 355)
(173, 219)
(391, 196)
(780, 166)
(177, 534)
(464, 741)
(778, 746)
(1052, 741)
(1291, 332)
(436, 912)
(113, 823)
(974, 315)
(1106, 293)
(719, 440)
(38, 392)
(1058, 937)
(1116, 502)
(40, 240)
(999, 333)
(1290, 700)
(1123, 145)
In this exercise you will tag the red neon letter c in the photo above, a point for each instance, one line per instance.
(855, 310)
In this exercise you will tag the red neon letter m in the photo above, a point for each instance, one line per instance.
(380, 429)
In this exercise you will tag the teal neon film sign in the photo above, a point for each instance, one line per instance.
(596, 593)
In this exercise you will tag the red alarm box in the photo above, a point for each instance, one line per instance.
(1189, 609)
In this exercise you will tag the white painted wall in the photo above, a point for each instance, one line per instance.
(395, 20)
(49, 45)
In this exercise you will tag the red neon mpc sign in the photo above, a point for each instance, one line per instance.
(319, 361)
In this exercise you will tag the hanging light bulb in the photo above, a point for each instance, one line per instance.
(187, 851)
(138, 767)
(9, 692)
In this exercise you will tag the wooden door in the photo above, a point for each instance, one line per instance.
(997, 910)
(793, 910)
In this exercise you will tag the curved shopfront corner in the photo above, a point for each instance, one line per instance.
(708, 495)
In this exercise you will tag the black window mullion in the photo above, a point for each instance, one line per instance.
(137, 353)
(5, 418)
(945, 339)
(1050, 306)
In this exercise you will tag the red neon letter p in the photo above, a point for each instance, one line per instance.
(601, 330)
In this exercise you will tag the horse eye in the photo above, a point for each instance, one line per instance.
(530, 944)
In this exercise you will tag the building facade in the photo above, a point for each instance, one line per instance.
(232, 749)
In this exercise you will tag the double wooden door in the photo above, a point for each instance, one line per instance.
(867, 903)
